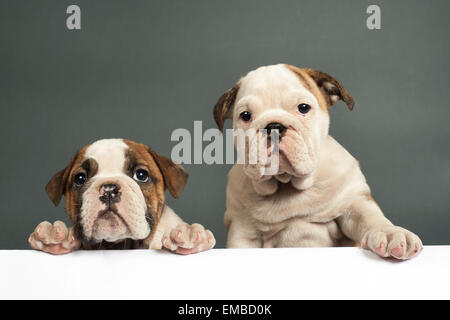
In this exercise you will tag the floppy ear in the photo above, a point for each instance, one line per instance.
(332, 90)
(224, 106)
(175, 177)
(56, 186)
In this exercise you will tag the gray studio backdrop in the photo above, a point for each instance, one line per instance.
(140, 69)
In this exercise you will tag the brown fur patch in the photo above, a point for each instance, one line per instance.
(60, 184)
(138, 157)
(72, 194)
(175, 177)
(56, 187)
(164, 174)
(224, 106)
(326, 88)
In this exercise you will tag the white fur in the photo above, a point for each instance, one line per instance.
(169, 220)
(109, 154)
(324, 201)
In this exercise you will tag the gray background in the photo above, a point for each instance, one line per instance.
(140, 69)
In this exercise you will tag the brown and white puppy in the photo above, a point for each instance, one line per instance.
(318, 196)
(114, 190)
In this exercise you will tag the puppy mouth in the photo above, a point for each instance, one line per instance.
(111, 215)
(109, 225)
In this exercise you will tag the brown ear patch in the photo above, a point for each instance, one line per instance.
(57, 185)
(175, 177)
(224, 106)
(330, 88)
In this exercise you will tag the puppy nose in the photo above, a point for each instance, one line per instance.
(275, 126)
(109, 193)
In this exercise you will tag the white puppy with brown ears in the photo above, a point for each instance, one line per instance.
(114, 190)
(318, 196)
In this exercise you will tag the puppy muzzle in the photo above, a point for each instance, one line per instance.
(296, 149)
(114, 209)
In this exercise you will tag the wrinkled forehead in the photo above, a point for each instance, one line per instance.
(272, 84)
(110, 155)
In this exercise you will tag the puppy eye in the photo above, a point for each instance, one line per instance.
(304, 108)
(141, 175)
(246, 116)
(79, 179)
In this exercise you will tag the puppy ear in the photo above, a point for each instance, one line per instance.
(175, 177)
(224, 106)
(56, 186)
(332, 90)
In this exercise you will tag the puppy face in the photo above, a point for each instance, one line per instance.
(292, 100)
(114, 190)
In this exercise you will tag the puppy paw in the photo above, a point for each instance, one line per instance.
(187, 239)
(393, 242)
(54, 239)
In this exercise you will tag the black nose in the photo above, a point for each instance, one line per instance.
(109, 193)
(275, 126)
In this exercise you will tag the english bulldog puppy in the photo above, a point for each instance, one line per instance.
(318, 196)
(114, 193)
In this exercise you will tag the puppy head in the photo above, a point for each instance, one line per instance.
(295, 101)
(114, 189)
